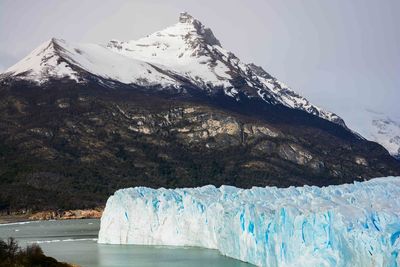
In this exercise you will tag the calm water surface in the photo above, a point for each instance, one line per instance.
(74, 241)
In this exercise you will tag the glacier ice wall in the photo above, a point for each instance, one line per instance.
(347, 225)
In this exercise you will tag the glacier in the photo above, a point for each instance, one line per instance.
(344, 225)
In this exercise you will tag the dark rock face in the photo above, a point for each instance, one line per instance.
(206, 33)
(68, 145)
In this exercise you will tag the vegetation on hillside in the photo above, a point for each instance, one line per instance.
(12, 255)
(67, 146)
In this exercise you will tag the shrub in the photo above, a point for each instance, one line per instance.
(11, 255)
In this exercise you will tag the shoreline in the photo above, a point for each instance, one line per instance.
(6, 219)
(52, 215)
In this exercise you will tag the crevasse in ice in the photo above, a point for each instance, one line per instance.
(346, 225)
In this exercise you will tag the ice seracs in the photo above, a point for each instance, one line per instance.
(347, 225)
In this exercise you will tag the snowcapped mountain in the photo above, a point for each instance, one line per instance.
(59, 59)
(387, 132)
(173, 109)
(185, 53)
(383, 129)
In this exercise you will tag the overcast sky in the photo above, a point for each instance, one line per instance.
(341, 54)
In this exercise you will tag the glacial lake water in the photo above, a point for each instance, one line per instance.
(75, 241)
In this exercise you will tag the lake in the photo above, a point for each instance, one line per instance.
(75, 241)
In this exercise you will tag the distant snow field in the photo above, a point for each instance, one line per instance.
(346, 225)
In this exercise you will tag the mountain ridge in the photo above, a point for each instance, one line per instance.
(79, 121)
(200, 60)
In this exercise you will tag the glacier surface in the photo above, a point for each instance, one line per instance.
(346, 225)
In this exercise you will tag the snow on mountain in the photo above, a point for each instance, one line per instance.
(379, 127)
(345, 225)
(60, 59)
(191, 49)
(184, 52)
(186, 47)
(42, 63)
(387, 132)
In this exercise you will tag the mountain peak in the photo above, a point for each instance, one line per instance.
(205, 33)
(185, 17)
(43, 61)
(186, 52)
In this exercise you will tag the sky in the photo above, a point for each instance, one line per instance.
(342, 55)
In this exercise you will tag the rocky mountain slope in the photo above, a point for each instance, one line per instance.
(174, 109)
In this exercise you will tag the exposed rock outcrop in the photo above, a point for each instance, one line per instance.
(75, 157)
(67, 214)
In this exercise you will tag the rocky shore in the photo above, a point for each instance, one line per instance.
(53, 215)
(67, 214)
